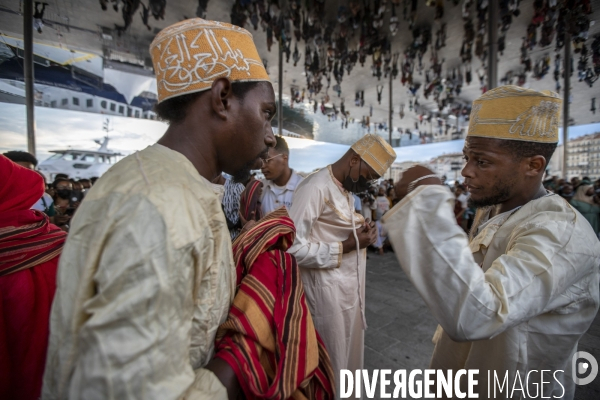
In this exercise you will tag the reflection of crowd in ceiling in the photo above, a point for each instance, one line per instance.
(363, 30)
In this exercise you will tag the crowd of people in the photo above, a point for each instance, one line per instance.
(182, 276)
(61, 197)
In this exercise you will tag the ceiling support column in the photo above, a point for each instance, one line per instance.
(28, 73)
(492, 67)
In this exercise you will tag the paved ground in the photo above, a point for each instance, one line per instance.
(401, 327)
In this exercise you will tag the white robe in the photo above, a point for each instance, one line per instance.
(334, 283)
(517, 298)
(145, 279)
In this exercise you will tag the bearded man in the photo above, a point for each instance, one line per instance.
(330, 247)
(147, 274)
(514, 299)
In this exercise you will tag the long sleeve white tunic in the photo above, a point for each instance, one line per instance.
(334, 282)
(145, 278)
(517, 298)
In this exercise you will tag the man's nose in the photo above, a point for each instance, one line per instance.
(467, 171)
(270, 138)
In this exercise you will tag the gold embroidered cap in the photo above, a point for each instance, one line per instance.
(515, 113)
(376, 152)
(189, 55)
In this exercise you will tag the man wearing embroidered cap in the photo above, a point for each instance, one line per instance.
(330, 247)
(147, 274)
(515, 297)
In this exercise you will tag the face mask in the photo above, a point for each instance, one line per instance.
(63, 193)
(359, 186)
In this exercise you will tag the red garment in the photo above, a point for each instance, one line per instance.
(29, 248)
(269, 339)
(250, 201)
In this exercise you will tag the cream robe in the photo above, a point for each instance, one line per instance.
(334, 282)
(145, 278)
(518, 297)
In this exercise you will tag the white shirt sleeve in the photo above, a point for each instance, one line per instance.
(468, 303)
(306, 209)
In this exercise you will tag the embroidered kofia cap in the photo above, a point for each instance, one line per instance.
(376, 152)
(189, 55)
(515, 113)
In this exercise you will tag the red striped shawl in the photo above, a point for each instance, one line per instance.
(269, 338)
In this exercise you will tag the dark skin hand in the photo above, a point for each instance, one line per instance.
(367, 235)
(225, 374)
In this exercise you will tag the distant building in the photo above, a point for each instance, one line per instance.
(583, 157)
(448, 165)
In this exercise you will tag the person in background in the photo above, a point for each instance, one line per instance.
(566, 192)
(280, 180)
(368, 204)
(30, 247)
(383, 204)
(27, 160)
(46, 203)
(391, 196)
(587, 202)
(86, 184)
(62, 203)
(231, 206)
(330, 247)
(147, 273)
(77, 193)
(22, 158)
(517, 296)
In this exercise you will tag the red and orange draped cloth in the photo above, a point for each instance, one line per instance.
(269, 338)
(250, 201)
(29, 250)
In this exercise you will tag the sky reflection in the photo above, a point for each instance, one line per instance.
(59, 129)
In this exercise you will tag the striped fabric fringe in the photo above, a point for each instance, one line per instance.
(269, 338)
(250, 201)
(28, 245)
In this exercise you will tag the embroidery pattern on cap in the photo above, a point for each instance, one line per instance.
(180, 66)
(541, 120)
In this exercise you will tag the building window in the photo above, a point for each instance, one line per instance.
(75, 101)
(89, 103)
(137, 113)
(121, 109)
(64, 102)
(103, 104)
(113, 107)
(53, 104)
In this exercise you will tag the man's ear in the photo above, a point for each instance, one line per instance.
(536, 165)
(354, 160)
(221, 97)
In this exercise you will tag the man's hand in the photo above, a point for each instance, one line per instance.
(412, 174)
(366, 234)
(247, 224)
(226, 375)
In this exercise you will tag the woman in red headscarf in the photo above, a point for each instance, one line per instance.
(29, 250)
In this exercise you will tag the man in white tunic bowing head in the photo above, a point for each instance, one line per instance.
(330, 247)
(515, 297)
(147, 274)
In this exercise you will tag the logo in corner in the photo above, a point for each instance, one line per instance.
(583, 362)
